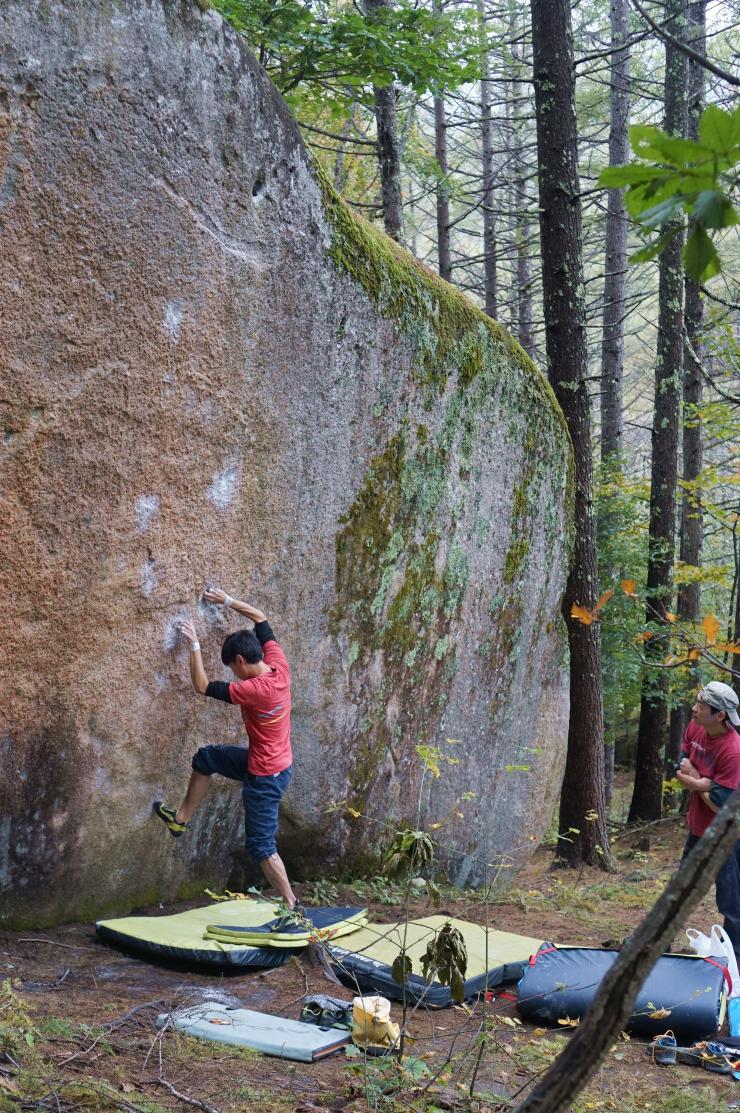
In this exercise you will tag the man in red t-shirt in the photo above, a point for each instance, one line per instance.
(262, 693)
(710, 770)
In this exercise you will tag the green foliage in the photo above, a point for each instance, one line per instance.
(409, 852)
(338, 52)
(678, 176)
(323, 891)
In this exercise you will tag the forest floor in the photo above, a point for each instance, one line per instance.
(77, 1018)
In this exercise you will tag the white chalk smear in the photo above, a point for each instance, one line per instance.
(149, 577)
(145, 508)
(172, 636)
(173, 319)
(223, 488)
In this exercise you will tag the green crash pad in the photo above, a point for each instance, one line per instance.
(180, 937)
(322, 923)
(273, 1035)
(365, 959)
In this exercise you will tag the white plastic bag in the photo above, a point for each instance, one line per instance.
(700, 943)
(721, 947)
(716, 945)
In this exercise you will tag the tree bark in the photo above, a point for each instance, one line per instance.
(583, 833)
(524, 310)
(443, 204)
(615, 999)
(652, 735)
(612, 341)
(688, 602)
(615, 253)
(488, 145)
(389, 150)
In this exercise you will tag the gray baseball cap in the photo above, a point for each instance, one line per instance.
(722, 698)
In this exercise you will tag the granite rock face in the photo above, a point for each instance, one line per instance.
(213, 374)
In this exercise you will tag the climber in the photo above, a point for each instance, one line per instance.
(262, 692)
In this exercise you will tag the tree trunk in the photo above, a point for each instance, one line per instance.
(615, 254)
(688, 602)
(614, 1001)
(612, 342)
(652, 735)
(524, 311)
(583, 833)
(443, 204)
(389, 150)
(489, 172)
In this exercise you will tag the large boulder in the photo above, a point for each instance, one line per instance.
(213, 373)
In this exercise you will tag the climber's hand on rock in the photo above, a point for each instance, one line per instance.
(215, 595)
(188, 630)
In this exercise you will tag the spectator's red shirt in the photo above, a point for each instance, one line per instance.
(264, 702)
(717, 758)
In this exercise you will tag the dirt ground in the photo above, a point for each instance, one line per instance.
(77, 1017)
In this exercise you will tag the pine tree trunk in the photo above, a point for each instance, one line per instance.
(652, 735)
(615, 254)
(524, 310)
(582, 810)
(490, 282)
(688, 601)
(443, 205)
(389, 150)
(612, 342)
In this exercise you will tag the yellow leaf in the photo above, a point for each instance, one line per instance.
(659, 1014)
(628, 586)
(434, 826)
(603, 600)
(670, 616)
(710, 626)
(568, 1023)
(583, 614)
(539, 1033)
(728, 647)
(354, 813)
(645, 636)
(670, 659)
(694, 654)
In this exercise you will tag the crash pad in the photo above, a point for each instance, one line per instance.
(365, 959)
(273, 1035)
(315, 923)
(683, 993)
(181, 936)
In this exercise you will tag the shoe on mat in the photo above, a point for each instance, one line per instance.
(701, 1055)
(167, 815)
(663, 1050)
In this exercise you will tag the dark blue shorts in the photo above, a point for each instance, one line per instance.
(261, 795)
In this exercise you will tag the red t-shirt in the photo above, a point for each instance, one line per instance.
(264, 702)
(717, 758)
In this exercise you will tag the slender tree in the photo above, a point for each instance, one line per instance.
(389, 149)
(688, 602)
(615, 284)
(647, 796)
(488, 145)
(583, 830)
(443, 196)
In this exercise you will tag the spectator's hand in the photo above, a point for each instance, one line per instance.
(687, 768)
(188, 630)
(215, 595)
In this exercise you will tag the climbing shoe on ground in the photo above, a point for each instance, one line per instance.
(327, 1012)
(706, 1055)
(167, 815)
(663, 1050)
